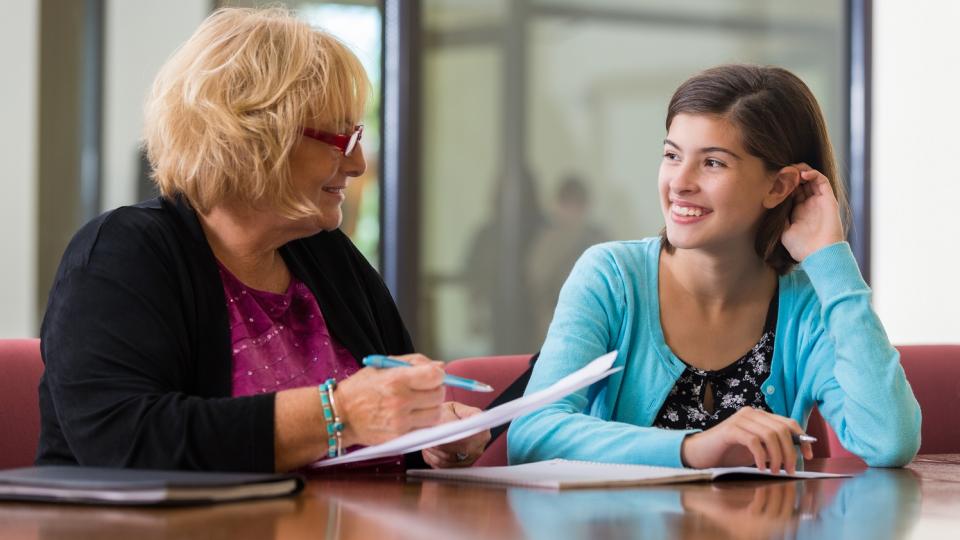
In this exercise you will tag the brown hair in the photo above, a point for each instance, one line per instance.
(779, 121)
(226, 109)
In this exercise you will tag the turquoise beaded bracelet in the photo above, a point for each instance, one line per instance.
(332, 419)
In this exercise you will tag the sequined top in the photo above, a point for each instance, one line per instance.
(280, 341)
(734, 387)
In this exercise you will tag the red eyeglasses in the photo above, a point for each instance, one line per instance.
(346, 142)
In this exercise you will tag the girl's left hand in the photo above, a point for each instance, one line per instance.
(815, 221)
(462, 453)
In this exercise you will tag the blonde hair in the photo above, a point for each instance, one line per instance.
(226, 110)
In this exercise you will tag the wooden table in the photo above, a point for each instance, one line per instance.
(920, 501)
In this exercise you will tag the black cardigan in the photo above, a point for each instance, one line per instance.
(136, 343)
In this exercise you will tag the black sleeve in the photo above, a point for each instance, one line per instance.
(393, 331)
(119, 343)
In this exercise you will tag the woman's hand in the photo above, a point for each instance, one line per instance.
(815, 221)
(376, 405)
(462, 453)
(750, 435)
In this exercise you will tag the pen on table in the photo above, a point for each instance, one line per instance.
(797, 439)
(382, 362)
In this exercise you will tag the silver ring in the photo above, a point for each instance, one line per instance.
(462, 456)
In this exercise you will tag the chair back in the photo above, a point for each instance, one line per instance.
(499, 372)
(933, 372)
(20, 370)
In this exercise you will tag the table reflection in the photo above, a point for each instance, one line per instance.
(877, 504)
(58, 521)
(415, 510)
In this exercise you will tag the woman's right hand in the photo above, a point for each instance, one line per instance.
(377, 405)
(750, 435)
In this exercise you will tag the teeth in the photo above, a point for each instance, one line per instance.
(687, 211)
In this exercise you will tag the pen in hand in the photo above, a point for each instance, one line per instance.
(383, 362)
(797, 439)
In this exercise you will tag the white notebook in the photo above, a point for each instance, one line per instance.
(562, 474)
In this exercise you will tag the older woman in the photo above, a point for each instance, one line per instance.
(192, 331)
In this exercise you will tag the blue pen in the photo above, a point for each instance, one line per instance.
(382, 362)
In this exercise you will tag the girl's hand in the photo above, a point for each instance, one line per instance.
(815, 221)
(749, 436)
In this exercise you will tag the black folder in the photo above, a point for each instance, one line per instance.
(138, 487)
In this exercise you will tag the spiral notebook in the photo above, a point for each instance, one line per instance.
(564, 474)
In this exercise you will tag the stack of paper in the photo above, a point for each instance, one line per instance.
(454, 431)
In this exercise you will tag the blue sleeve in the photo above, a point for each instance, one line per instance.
(865, 397)
(587, 323)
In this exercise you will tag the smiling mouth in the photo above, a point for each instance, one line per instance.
(688, 211)
(335, 190)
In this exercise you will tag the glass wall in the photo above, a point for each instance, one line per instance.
(543, 123)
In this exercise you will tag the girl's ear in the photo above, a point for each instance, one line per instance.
(784, 184)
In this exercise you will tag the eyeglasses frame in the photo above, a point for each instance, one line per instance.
(345, 142)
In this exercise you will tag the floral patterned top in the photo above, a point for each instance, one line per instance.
(734, 387)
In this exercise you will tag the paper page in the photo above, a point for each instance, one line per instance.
(560, 473)
(454, 431)
(718, 472)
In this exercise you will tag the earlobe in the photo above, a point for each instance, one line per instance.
(784, 184)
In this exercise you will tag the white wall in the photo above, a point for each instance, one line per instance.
(916, 172)
(140, 36)
(19, 27)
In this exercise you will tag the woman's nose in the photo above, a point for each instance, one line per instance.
(354, 164)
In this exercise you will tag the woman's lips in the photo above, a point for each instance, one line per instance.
(336, 191)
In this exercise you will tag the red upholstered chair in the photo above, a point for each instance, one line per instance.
(827, 445)
(497, 371)
(934, 374)
(20, 370)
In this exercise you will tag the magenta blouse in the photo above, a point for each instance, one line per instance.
(280, 341)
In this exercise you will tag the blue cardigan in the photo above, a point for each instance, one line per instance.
(830, 351)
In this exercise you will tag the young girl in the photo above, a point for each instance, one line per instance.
(747, 311)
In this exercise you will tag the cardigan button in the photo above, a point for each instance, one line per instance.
(771, 390)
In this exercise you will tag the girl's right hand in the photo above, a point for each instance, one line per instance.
(377, 405)
(749, 436)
